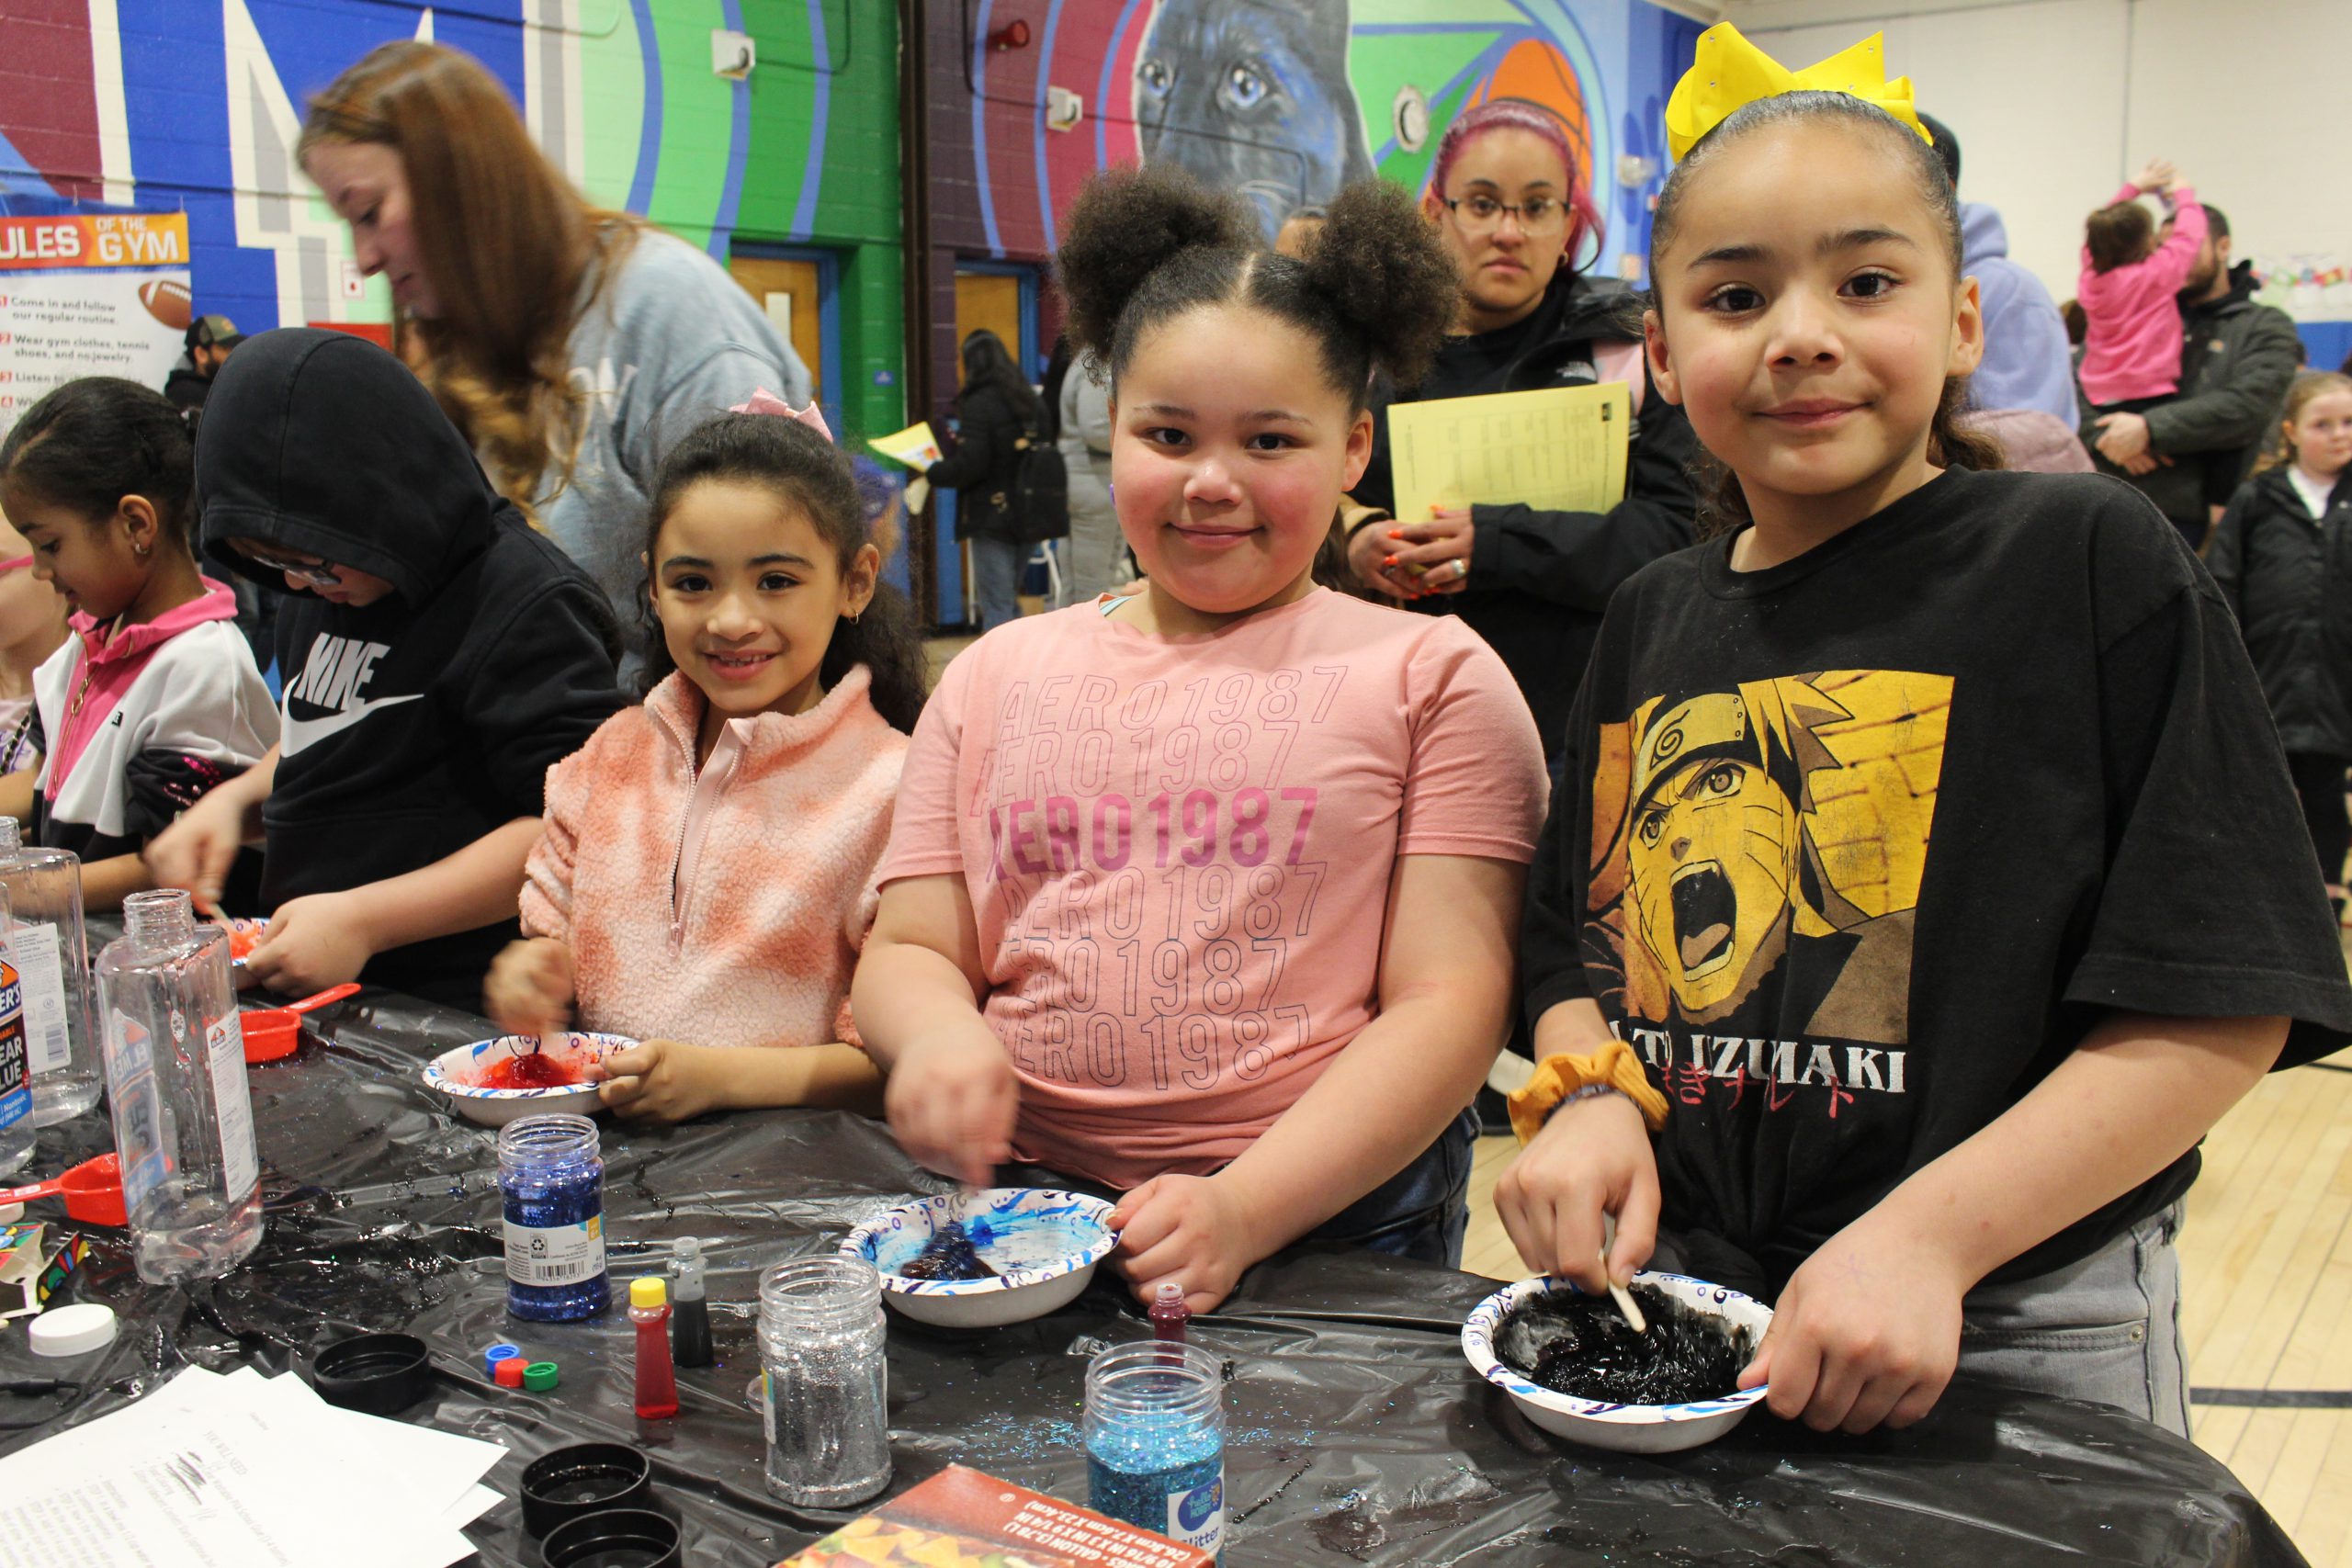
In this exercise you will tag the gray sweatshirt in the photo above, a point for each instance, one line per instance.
(672, 341)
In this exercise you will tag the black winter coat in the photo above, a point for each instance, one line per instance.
(1539, 580)
(2287, 578)
(985, 465)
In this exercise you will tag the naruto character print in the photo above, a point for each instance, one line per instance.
(1757, 855)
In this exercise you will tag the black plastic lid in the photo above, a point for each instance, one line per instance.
(583, 1478)
(613, 1538)
(382, 1374)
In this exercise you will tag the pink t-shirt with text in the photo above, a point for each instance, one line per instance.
(1178, 852)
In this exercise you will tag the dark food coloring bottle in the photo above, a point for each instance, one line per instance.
(690, 1318)
(553, 1179)
(1154, 1440)
(1168, 1313)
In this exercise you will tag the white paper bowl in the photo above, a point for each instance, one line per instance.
(1044, 1244)
(496, 1107)
(1629, 1428)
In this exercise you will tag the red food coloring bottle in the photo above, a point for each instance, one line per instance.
(657, 1383)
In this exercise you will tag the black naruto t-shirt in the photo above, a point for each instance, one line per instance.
(1855, 850)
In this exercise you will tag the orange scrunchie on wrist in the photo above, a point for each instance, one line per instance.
(1615, 1066)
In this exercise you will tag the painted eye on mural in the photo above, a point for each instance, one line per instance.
(1155, 77)
(1244, 88)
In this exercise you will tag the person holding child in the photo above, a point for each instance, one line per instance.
(439, 655)
(154, 699)
(1887, 952)
(704, 875)
(1158, 908)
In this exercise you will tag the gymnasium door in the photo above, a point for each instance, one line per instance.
(1002, 298)
(791, 290)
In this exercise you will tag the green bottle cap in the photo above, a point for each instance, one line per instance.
(539, 1376)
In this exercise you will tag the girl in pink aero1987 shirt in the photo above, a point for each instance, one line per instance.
(1208, 894)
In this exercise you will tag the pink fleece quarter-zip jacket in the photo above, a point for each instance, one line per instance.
(724, 906)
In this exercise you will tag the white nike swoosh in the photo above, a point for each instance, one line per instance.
(296, 734)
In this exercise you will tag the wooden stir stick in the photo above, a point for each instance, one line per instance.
(1617, 1292)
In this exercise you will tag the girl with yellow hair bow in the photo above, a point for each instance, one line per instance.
(1875, 947)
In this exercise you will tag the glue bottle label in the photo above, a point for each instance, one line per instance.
(555, 1255)
(232, 1107)
(1197, 1514)
(34, 947)
(15, 1067)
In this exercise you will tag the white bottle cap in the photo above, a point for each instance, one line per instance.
(73, 1330)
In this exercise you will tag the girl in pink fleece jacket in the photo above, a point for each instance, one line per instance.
(705, 878)
(2132, 353)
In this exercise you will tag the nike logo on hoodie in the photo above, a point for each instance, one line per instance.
(333, 677)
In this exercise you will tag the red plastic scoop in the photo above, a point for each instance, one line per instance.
(272, 1032)
(92, 1190)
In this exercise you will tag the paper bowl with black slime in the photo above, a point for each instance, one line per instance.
(1673, 1388)
(1037, 1246)
(493, 1081)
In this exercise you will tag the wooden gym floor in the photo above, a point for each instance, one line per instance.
(2266, 1288)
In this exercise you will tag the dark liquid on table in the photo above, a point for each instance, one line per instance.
(1582, 1346)
(949, 1254)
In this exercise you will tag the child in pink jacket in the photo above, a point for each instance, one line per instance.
(2132, 355)
(705, 878)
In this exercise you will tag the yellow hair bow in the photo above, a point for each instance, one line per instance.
(1728, 74)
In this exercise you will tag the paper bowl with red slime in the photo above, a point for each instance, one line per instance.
(493, 1081)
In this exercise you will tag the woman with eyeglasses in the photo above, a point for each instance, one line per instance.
(1504, 195)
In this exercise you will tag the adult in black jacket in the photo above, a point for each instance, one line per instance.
(2279, 556)
(2188, 453)
(996, 412)
(1532, 583)
(440, 656)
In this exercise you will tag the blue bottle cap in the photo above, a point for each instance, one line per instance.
(495, 1354)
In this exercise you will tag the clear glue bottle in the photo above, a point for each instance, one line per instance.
(176, 1079)
(51, 956)
(1168, 1313)
(657, 1385)
(15, 1065)
(690, 1318)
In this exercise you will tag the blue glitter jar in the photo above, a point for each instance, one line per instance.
(1154, 1440)
(553, 1181)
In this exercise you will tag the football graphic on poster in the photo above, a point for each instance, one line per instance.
(168, 301)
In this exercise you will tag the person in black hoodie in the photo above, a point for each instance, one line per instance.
(2279, 557)
(438, 656)
(995, 414)
(1503, 193)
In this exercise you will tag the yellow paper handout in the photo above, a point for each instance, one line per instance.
(1560, 449)
(915, 446)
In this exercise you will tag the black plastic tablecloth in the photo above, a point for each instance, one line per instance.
(1356, 1430)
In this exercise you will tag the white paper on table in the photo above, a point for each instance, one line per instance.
(242, 1472)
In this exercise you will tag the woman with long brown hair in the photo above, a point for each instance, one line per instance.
(573, 344)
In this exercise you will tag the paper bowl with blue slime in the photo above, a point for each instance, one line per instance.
(1039, 1245)
(493, 1081)
(1499, 1339)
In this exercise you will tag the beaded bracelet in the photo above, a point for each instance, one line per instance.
(1586, 1092)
